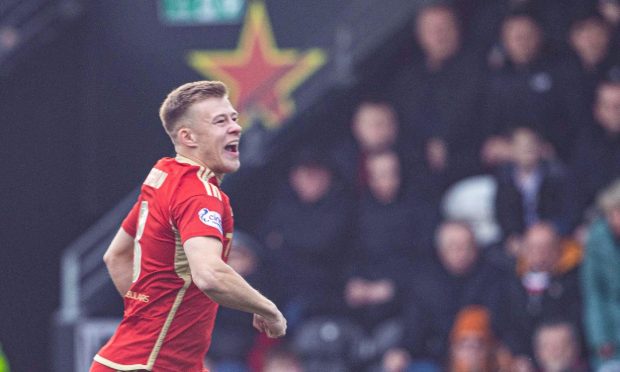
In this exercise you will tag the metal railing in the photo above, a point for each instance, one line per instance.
(26, 23)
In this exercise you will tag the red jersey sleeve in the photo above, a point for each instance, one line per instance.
(130, 223)
(200, 215)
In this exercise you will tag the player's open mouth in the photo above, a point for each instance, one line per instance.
(232, 147)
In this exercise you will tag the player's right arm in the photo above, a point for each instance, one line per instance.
(225, 286)
(119, 260)
(119, 256)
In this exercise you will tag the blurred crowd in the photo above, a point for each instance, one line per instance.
(471, 221)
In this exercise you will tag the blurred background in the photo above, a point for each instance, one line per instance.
(425, 185)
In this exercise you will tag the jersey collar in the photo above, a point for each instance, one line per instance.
(205, 173)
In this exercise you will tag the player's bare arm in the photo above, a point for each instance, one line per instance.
(225, 286)
(119, 260)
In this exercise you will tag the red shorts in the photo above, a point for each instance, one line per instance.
(98, 367)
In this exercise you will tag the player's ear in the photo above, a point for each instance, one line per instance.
(186, 137)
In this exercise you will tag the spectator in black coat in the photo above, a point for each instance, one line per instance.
(306, 232)
(590, 39)
(391, 229)
(529, 189)
(438, 97)
(531, 88)
(439, 288)
(597, 154)
(545, 286)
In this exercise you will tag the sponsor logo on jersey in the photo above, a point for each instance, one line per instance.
(211, 218)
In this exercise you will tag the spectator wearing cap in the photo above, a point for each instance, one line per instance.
(601, 279)
(530, 88)
(306, 232)
(473, 347)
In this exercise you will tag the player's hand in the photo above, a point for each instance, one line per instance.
(273, 328)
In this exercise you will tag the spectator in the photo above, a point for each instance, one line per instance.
(546, 286)
(438, 96)
(529, 189)
(590, 39)
(610, 9)
(375, 129)
(554, 16)
(306, 231)
(601, 279)
(462, 277)
(597, 155)
(389, 239)
(557, 347)
(530, 88)
(472, 344)
(280, 359)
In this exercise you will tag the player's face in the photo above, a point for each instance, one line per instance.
(216, 134)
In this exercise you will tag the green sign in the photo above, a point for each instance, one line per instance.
(4, 364)
(201, 12)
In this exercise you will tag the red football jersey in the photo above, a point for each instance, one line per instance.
(168, 321)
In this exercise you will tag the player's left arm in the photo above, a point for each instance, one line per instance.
(119, 260)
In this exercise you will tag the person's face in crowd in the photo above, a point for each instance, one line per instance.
(541, 248)
(522, 38)
(383, 176)
(591, 41)
(457, 248)
(607, 108)
(526, 149)
(610, 9)
(214, 132)
(282, 363)
(375, 128)
(242, 259)
(311, 182)
(470, 353)
(438, 33)
(613, 219)
(556, 348)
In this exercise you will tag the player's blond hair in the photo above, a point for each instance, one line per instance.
(180, 99)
